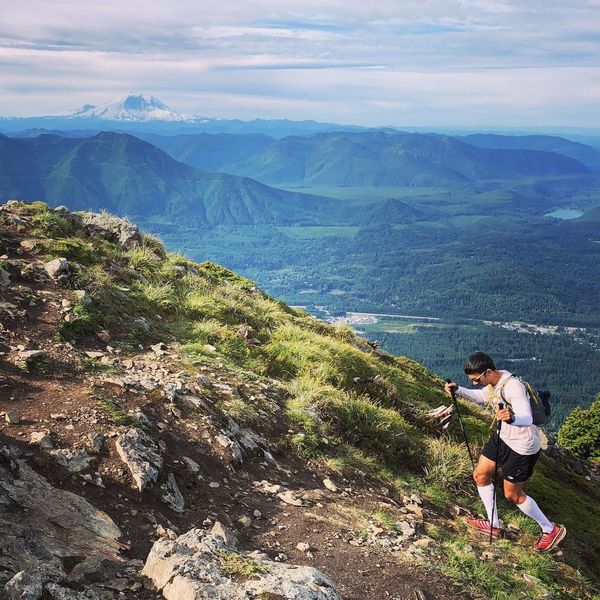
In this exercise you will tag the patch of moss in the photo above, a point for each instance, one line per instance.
(233, 564)
(73, 249)
(84, 324)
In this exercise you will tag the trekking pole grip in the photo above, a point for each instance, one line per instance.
(499, 424)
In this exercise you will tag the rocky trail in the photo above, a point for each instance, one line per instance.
(121, 477)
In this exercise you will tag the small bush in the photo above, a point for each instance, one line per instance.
(241, 411)
(385, 519)
(48, 222)
(154, 244)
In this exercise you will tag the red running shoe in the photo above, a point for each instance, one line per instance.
(552, 539)
(483, 526)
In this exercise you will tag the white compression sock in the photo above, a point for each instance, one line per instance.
(532, 510)
(487, 494)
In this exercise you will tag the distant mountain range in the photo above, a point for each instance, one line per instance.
(585, 154)
(367, 159)
(124, 174)
(136, 113)
(130, 176)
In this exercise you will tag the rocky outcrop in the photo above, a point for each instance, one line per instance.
(142, 457)
(41, 527)
(199, 565)
(121, 230)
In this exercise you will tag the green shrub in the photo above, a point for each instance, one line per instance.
(580, 433)
(154, 244)
(245, 413)
(233, 564)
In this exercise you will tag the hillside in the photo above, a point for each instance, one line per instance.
(171, 431)
(127, 176)
(366, 159)
(585, 154)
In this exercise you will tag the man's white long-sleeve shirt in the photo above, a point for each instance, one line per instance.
(521, 435)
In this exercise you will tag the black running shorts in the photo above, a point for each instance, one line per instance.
(515, 467)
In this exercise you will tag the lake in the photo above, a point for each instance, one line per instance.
(565, 214)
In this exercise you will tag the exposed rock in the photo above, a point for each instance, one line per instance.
(12, 417)
(223, 533)
(122, 231)
(245, 521)
(192, 466)
(40, 526)
(95, 442)
(171, 494)
(41, 439)
(4, 279)
(159, 349)
(31, 357)
(28, 585)
(55, 591)
(141, 456)
(267, 488)
(289, 498)
(72, 459)
(57, 268)
(83, 297)
(96, 567)
(191, 568)
(330, 485)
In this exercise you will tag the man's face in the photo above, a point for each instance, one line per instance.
(479, 379)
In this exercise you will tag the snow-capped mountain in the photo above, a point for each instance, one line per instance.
(137, 108)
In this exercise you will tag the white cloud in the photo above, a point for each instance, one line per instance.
(380, 62)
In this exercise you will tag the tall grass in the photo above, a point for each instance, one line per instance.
(447, 463)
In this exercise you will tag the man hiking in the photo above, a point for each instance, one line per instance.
(516, 449)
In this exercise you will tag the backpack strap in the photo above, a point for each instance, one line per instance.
(503, 397)
(508, 404)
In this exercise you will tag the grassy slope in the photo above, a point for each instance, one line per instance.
(352, 408)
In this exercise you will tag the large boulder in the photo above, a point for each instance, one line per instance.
(199, 565)
(121, 230)
(41, 527)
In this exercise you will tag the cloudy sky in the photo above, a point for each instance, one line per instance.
(464, 63)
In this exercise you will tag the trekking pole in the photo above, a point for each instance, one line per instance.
(462, 427)
(498, 427)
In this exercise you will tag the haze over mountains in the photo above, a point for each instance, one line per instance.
(121, 173)
(124, 174)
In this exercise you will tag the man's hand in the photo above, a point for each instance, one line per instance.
(450, 385)
(504, 415)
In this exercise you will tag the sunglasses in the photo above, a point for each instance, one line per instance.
(478, 378)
